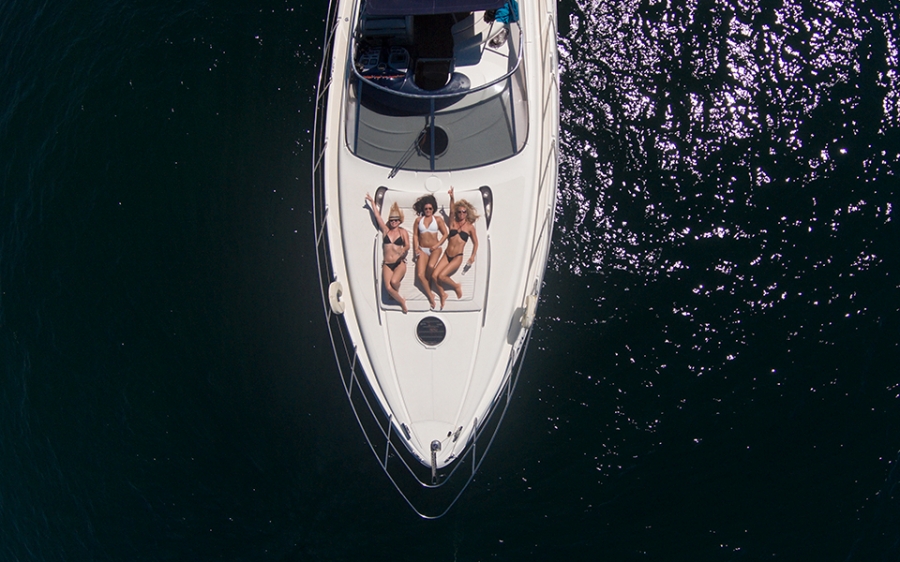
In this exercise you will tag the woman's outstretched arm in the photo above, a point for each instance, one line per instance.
(377, 212)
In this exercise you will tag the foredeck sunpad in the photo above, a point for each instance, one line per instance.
(474, 282)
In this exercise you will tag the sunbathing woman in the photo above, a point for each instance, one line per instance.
(426, 249)
(396, 246)
(462, 227)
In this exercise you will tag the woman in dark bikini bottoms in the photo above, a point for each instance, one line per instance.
(462, 227)
(396, 246)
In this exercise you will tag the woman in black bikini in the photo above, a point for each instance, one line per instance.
(396, 246)
(426, 249)
(462, 227)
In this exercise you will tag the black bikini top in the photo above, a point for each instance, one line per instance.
(397, 242)
(462, 234)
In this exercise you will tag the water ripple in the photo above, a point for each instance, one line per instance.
(726, 207)
(691, 114)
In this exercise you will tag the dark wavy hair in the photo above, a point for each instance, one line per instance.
(419, 205)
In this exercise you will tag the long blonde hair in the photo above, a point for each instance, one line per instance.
(396, 212)
(471, 214)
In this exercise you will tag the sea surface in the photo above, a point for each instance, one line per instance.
(714, 374)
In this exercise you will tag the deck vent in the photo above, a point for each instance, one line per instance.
(431, 331)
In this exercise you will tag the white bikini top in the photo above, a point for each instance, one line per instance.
(431, 228)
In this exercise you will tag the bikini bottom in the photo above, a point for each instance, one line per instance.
(394, 265)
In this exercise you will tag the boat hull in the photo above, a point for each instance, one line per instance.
(430, 408)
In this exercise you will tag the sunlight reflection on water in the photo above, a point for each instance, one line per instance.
(686, 112)
(726, 165)
(694, 124)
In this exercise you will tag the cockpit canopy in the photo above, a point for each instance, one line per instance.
(436, 85)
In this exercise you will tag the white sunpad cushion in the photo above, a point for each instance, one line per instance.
(473, 283)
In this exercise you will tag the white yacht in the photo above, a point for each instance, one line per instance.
(416, 97)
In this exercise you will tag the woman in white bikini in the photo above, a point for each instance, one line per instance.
(426, 249)
(396, 246)
(462, 227)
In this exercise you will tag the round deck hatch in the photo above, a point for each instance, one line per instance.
(431, 331)
(441, 141)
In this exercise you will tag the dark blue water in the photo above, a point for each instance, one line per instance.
(714, 372)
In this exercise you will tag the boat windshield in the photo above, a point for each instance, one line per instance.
(447, 104)
(410, 7)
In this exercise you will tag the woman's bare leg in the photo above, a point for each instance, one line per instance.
(388, 277)
(398, 274)
(433, 260)
(450, 270)
(436, 276)
(442, 275)
(422, 265)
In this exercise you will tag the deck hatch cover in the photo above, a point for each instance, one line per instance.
(431, 331)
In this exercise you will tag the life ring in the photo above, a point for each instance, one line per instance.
(530, 306)
(335, 291)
